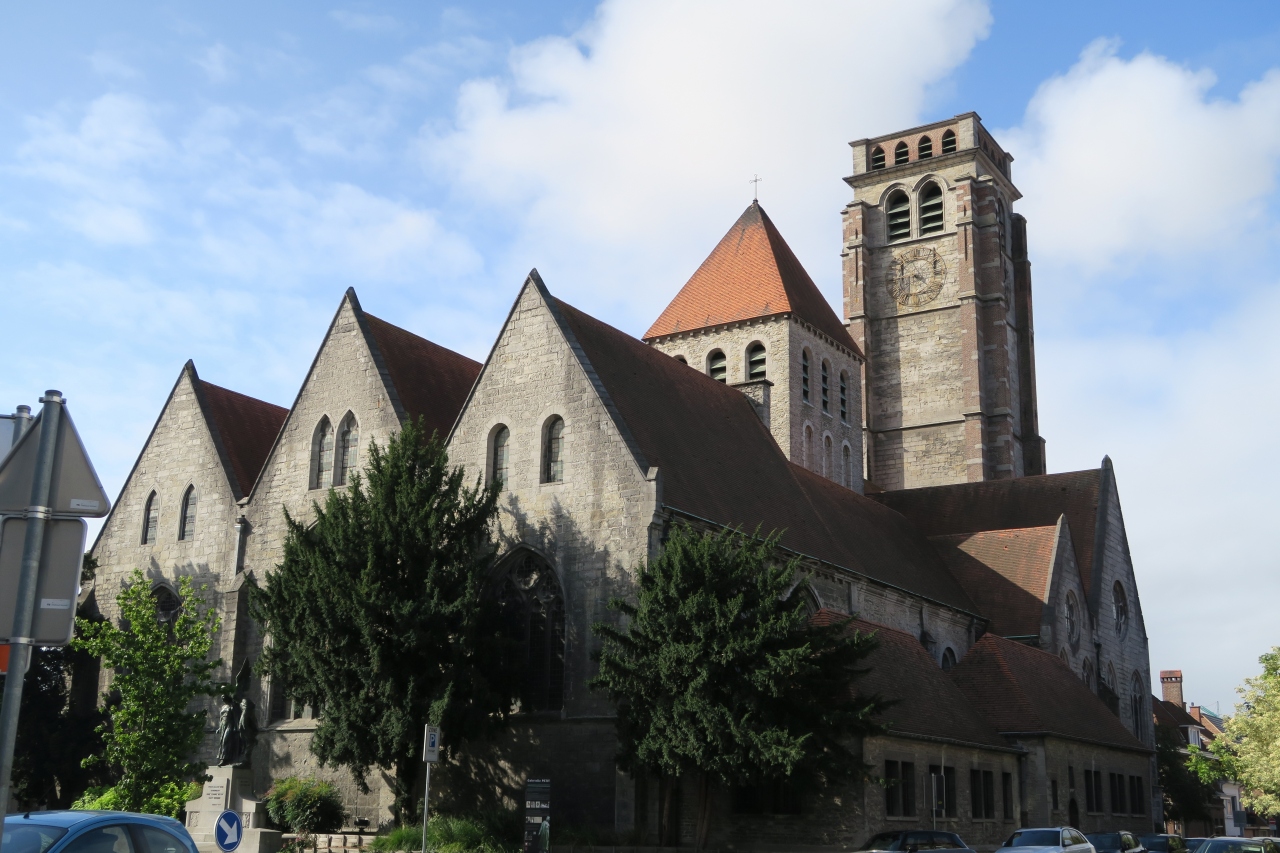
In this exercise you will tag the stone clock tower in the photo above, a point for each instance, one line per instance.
(937, 292)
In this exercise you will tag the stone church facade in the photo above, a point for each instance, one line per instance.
(897, 447)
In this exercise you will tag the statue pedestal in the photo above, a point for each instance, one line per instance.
(231, 789)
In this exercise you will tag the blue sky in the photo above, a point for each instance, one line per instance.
(182, 180)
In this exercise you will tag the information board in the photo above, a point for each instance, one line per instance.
(537, 816)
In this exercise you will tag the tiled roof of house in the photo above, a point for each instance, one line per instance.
(1178, 713)
(1023, 690)
(926, 700)
(718, 462)
(752, 272)
(1006, 504)
(1006, 573)
(431, 381)
(244, 428)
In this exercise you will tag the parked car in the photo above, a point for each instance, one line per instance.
(1236, 844)
(1193, 844)
(1115, 842)
(1167, 843)
(94, 832)
(1057, 839)
(908, 841)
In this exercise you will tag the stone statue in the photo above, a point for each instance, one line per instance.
(248, 731)
(237, 724)
(228, 732)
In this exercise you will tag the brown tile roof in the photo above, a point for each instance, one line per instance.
(1006, 504)
(926, 700)
(432, 382)
(1005, 572)
(1023, 690)
(1163, 716)
(752, 272)
(244, 428)
(718, 462)
(1179, 713)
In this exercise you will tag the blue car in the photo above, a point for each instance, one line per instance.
(94, 832)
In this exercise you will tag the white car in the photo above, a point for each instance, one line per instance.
(1057, 839)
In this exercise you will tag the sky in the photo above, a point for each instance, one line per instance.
(204, 181)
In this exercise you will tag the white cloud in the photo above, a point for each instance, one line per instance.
(109, 65)
(215, 62)
(363, 23)
(623, 151)
(1123, 159)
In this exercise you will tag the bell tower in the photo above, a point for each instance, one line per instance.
(937, 294)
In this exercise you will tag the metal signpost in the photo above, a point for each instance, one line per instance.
(47, 487)
(430, 755)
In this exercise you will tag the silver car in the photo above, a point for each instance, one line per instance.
(1057, 839)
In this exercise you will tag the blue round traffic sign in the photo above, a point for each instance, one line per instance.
(227, 831)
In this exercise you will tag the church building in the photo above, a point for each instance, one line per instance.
(896, 444)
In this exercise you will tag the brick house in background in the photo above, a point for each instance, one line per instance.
(897, 447)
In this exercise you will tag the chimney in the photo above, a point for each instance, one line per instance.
(1171, 686)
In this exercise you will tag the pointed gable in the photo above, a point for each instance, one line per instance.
(243, 427)
(1007, 574)
(751, 273)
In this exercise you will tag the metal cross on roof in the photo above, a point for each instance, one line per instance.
(755, 189)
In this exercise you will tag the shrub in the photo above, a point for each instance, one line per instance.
(170, 800)
(480, 833)
(306, 805)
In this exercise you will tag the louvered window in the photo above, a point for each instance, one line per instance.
(949, 142)
(804, 375)
(898, 211)
(826, 395)
(187, 524)
(901, 154)
(924, 148)
(717, 366)
(877, 157)
(756, 362)
(151, 520)
(931, 209)
(844, 396)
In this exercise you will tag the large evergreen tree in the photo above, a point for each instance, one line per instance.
(375, 615)
(721, 675)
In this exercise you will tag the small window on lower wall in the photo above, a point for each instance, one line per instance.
(1137, 795)
(982, 791)
(775, 796)
(1006, 794)
(899, 788)
(942, 790)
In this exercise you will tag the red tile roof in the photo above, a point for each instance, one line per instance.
(432, 382)
(1022, 690)
(718, 462)
(926, 701)
(751, 273)
(1163, 716)
(1006, 504)
(1005, 572)
(244, 428)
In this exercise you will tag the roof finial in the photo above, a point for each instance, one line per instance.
(755, 189)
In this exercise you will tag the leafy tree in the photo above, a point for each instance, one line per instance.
(1249, 750)
(159, 667)
(720, 673)
(375, 614)
(1187, 796)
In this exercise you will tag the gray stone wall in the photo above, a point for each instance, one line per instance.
(1058, 760)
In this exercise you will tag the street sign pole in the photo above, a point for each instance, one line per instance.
(430, 755)
(38, 513)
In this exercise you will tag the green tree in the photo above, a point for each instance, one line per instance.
(1187, 796)
(1249, 750)
(159, 669)
(375, 614)
(721, 675)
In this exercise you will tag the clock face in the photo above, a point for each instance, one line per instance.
(916, 276)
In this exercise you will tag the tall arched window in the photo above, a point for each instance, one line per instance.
(1120, 608)
(948, 659)
(809, 461)
(844, 396)
(682, 359)
(1086, 673)
(949, 142)
(348, 450)
(322, 455)
(1138, 706)
(187, 523)
(924, 148)
(877, 157)
(804, 375)
(1066, 658)
(931, 209)
(532, 608)
(756, 362)
(1109, 676)
(826, 390)
(1002, 229)
(847, 467)
(150, 519)
(553, 451)
(898, 213)
(901, 154)
(718, 366)
(826, 458)
(498, 470)
(1073, 617)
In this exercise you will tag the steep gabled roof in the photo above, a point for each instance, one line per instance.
(1022, 690)
(1006, 573)
(1006, 504)
(751, 273)
(719, 463)
(431, 382)
(243, 427)
(926, 701)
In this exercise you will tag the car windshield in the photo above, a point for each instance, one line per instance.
(1156, 843)
(1105, 840)
(23, 836)
(1232, 847)
(943, 840)
(1035, 838)
(881, 841)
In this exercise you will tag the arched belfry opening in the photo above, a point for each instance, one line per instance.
(532, 606)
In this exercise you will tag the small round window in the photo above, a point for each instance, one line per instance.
(1120, 604)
